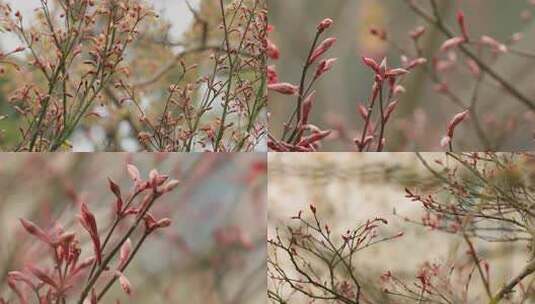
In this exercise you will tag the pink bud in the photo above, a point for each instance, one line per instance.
(381, 144)
(383, 67)
(494, 44)
(324, 24)
(114, 188)
(87, 219)
(396, 72)
(445, 141)
(272, 50)
(462, 25)
(21, 276)
(361, 145)
(417, 32)
(363, 111)
(399, 89)
(323, 47)
(155, 179)
(451, 43)
(314, 137)
(371, 64)
(133, 172)
(170, 185)
(20, 295)
(324, 66)
(153, 176)
(150, 221)
(389, 109)
(455, 121)
(284, 88)
(65, 238)
(19, 49)
(43, 276)
(367, 140)
(84, 264)
(272, 76)
(34, 230)
(165, 222)
(124, 253)
(307, 107)
(416, 62)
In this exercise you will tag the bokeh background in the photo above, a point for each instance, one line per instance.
(350, 188)
(422, 114)
(174, 12)
(214, 251)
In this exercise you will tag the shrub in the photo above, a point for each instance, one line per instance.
(93, 63)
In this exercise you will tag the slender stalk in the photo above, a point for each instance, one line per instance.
(382, 120)
(136, 248)
(367, 121)
(221, 130)
(300, 97)
(528, 269)
(477, 262)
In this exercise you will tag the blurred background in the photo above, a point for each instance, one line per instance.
(350, 188)
(174, 12)
(422, 114)
(214, 251)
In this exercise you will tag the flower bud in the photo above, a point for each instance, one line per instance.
(494, 44)
(133, 172)
(272, 50)
(165, 222)
(371, 64)
(283, 88)
(170, 185)
(417, 32)
(462, 25)
(34, 230)
(451, 43)
(325, 24)
(323, 47)
(324, 66)
(114, 188)
(125, 284)
(124, 253)
(272, 76)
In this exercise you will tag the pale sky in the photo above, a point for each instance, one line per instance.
(175, 11)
